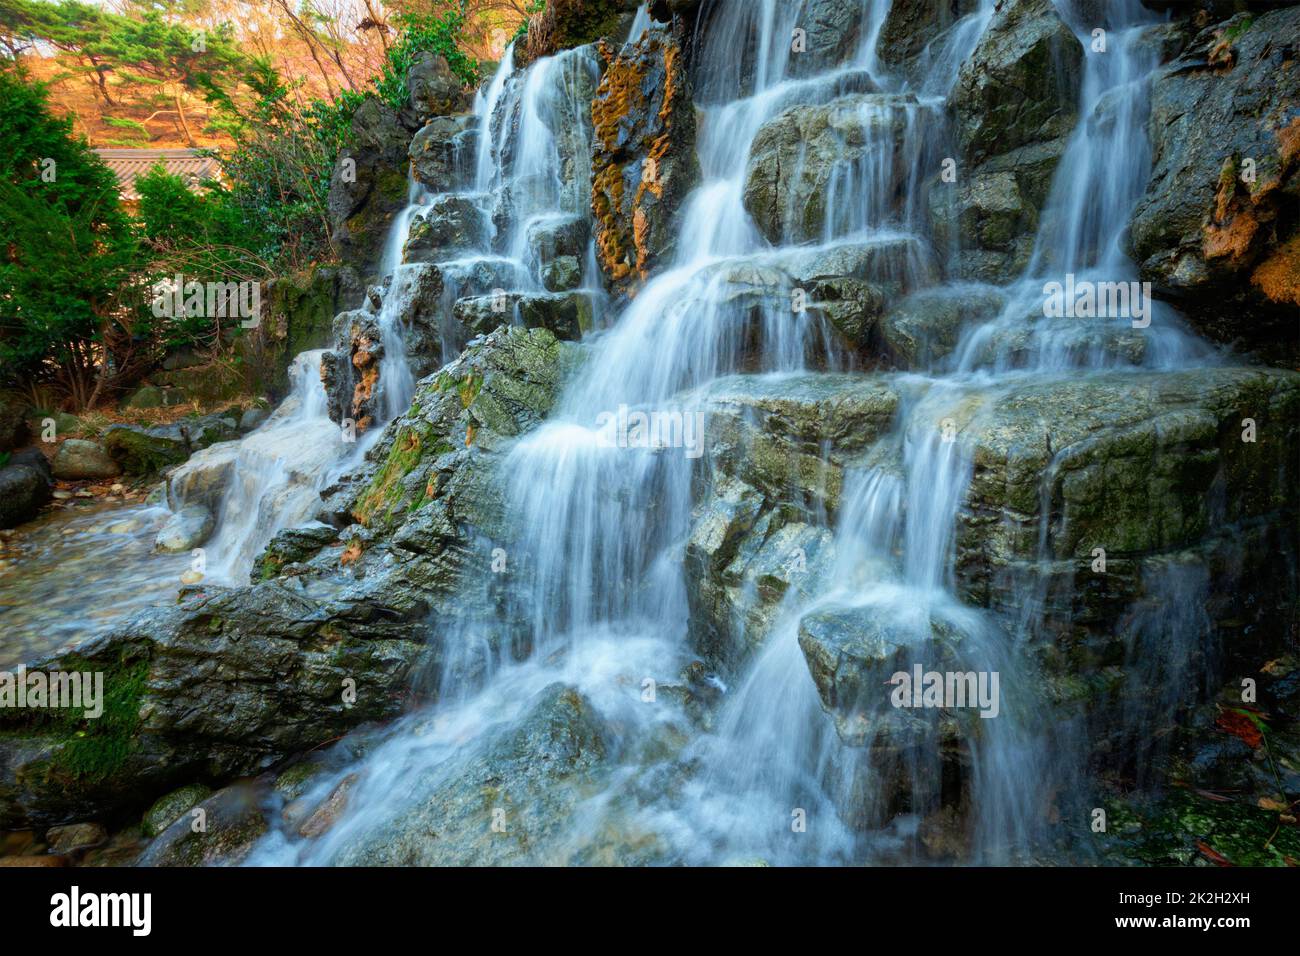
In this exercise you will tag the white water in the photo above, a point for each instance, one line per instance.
(603, 528)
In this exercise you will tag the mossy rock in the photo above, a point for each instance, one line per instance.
(140, 453)
(170, 808)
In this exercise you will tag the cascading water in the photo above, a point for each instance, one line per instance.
(602, 527)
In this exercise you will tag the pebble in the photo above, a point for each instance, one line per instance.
(62, 495)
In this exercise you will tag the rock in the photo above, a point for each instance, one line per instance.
(807, 156)
(1215, 228)
(297, 315)
(368, 186)
(172, 807)
(203, 478)
(925, 327)
(1146, 469)
(154, 396)
(565, 314)
(562, 274)
(912, 24)
(252, 418)
(432, 90)
(139, 452)
(24, 490)
(234, 821)
(76, 837)
(443, 152)
(78, 459)
(333, 807)
(563, 24)
(452, 225)
(292, 546)
(231, 681)
(1015, 103)
(13, 422)
(186, 529)
(532, 775)
(643, 163)
(1021, 85)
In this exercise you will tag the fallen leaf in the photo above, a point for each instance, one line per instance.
(1240, 725)
(1218, 859)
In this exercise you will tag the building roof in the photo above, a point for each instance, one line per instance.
(126, 164)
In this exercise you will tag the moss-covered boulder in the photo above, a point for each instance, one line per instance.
(369, 184)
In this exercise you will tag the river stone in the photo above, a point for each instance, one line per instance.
(925, 327)
(78, 459)
(170, 808)
(186, 529)
(75, 837)
(234, 820)
(24, 490)
(537, 770)
(562, 274)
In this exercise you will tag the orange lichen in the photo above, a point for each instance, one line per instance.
(1278, 276)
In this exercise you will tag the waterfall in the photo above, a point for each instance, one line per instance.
(601, 529)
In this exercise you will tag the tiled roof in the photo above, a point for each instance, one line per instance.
(127, 164)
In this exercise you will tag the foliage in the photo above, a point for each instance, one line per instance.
(436, 32)
(69, 257)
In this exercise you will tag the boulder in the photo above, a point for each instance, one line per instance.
(443, 152)
(186, 529)
(171, 807)
(78, 460)
(643, 162)
(925, 327)
(155, 396)
(1215, 229)
(139, 452)
(452, 225)
(1014, 105)
(234, 820)
(24, 490)
(433, 90)
(805, 161)
(910, 25)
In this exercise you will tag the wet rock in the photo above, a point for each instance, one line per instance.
(925, 327)
(368, 186)
(562, 274)
(643, 162)
(563, 24)
(78, 459)
(509, 799)
(1021, 85)
(292, 546)
(1216, 228)
(333, 807)
(805, 157)
(186, 529)
(1015, 104)
(233, 821)
(912, 24)
(297, 314)
(75, 838)
(172, 807)
(1146, 470)
(203, 478)
(442, 152)
(451, 225)
(252, 418)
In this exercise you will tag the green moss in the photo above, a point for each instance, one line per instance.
(386, 497)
